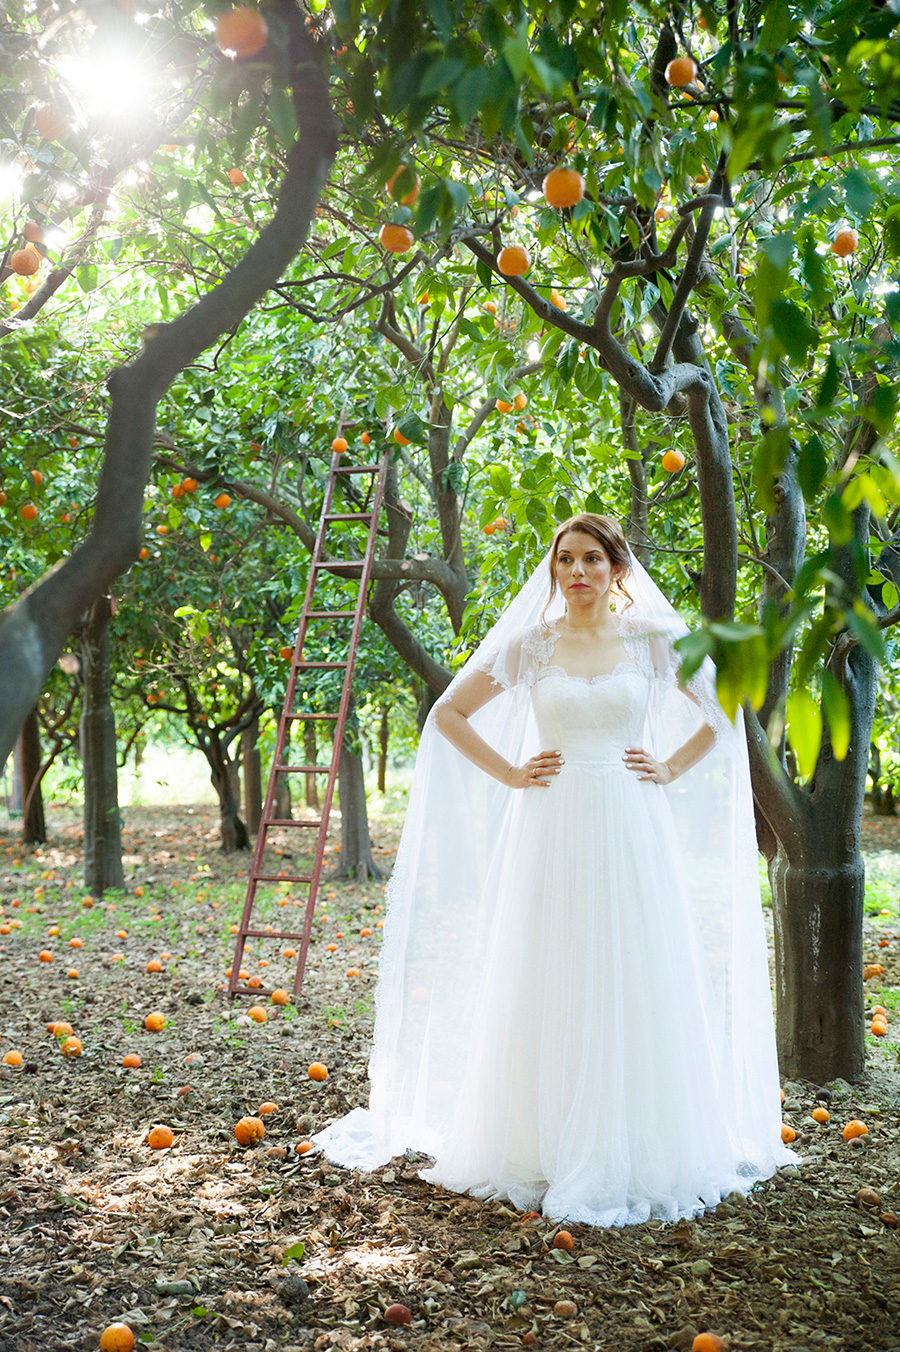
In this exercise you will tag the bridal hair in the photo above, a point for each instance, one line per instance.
(610, 535)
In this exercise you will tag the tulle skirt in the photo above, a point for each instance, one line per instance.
(595, 1088)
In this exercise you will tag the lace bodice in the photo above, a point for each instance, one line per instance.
(590, 718)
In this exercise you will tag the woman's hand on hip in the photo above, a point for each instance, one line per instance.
(645, 767)
(538, 772)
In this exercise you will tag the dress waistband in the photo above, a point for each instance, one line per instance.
(596, 762)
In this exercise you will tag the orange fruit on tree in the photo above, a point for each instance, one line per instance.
(408, 197)
(178, 491)
(854, 1128)
(339, 445)
(563, 187)
(843, 244)
(513, 261)
(242, 31)
(257, 1014)
(71, 1046)
(36, 476)
(395, 238)
(160, 1138)
(237, 177)
(131, 1060)
(503, 406)
(400, 439)
(222, 501)
(25, 262)
(787, 1133)
(33, 233)
(28, 512)
(280, 997)
(51, 123)
(45, 955)
(519, 401)
(189, 485)
(673, 461)
(162, 530)
(707, 1342)
(143, 553)
(318, 1071)
(116, 1338)
(365, 438)
(12, 1057)
(681, 71)
(155, 1022)
(249, 1130)
(557, 300)
(287, 653)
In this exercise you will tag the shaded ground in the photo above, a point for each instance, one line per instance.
(196, 1246)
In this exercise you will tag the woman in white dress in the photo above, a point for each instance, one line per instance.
(573, 1007)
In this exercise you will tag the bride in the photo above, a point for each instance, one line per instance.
(573, 1008)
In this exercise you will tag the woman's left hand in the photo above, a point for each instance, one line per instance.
(645, 767)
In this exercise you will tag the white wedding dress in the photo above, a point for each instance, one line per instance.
(594, 1086)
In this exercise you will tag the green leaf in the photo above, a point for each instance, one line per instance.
(804, 718)
(293, 1252)
(837, 712)
(517, 1299)
(88, 276)
(792, 329)
(501, 481)
(859, 192)
(281, 111)
(468, 94)
(812, 466)
(768, 462)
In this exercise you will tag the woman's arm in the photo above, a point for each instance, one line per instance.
(452, 719)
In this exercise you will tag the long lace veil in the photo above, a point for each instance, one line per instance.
(453, 851)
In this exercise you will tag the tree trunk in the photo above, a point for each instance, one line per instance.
(310, 751)
(34, 828)
(356, 847)
(252, 776)
(232, 831)
(383, 749)
(283, 806)
(102, 822)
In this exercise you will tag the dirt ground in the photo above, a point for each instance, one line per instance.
(208, 1244)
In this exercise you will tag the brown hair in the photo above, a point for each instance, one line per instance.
(610, 535)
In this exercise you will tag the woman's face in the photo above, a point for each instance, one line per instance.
(583, 569)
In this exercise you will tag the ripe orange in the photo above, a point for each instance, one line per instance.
(160, 1138)
(287, 653)
(131, 1060)
(116, 1338)
(45, 955)
(820, 1114)
(72, 973)
(339, 445)
(787, 1133)
(155, 1022)
(257, 1014)
(143, 553)
(879, 1009)
(189, 485)
(249, 1130)
(365, 438)
(353, 971)
(237, 177)
(400, 439)
(843, 244)
(34, 235)
(254, 982)
(707, 1342)
(280, 997)
(162, 530)
(28, 512)
(25, 262)
(267, 1107)
(12, 1057)
(318, 1071)
(71, 1046)
(413, 193)
(872, 969)
(563, 1240)
(222, 501)
(519, 401)
(673, 461)
(681, 71)
(854, 1128)
(563, 187)
(60, 1030)
(557, 300)
(503, 406)
(51, 123)
(76, 943)
(194, 1059)
(513, 261)
(178, 491)
(395, 238)
(243, 32)
(154, 965)
(304, 1147)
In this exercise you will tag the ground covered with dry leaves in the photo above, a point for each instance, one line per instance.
(208, 1244)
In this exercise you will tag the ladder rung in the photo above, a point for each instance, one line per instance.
(257, 992)
(348, 516)
(281, 877)
(302, 769)
(322, 666)
(338, 563)
(308, 718)
(331, 614)
(356, 469)
(271, 934)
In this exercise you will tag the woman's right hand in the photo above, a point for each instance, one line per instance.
(538, 772)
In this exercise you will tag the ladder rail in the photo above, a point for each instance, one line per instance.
(288, 715)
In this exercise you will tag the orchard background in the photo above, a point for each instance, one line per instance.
(634, 259)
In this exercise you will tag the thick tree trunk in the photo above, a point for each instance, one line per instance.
(232, 831)
(383, 749)
(102, 822)
(34, 827)
(252, 776)
(283, 805)
(356, 847)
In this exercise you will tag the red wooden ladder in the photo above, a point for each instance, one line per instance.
(361, 568)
